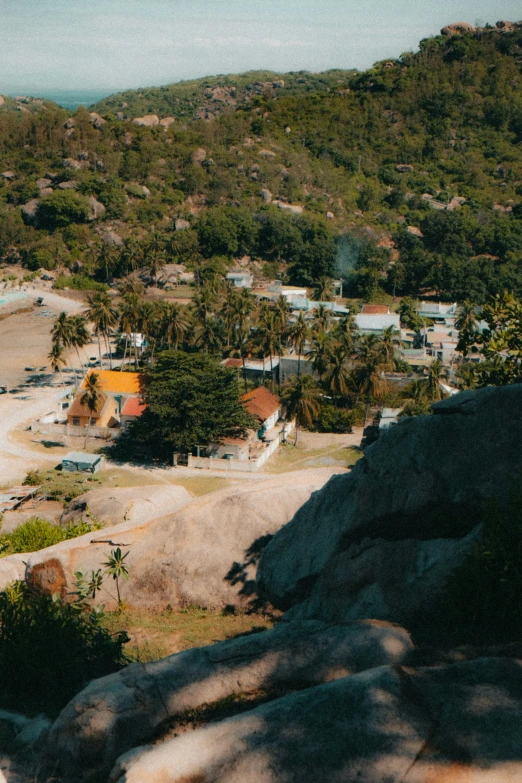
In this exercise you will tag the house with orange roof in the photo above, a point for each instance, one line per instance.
(105, 414)
(131, 411)
(264, 406)
(121, 386)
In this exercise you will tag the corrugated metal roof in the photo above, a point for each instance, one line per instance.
(377, 322)
(81, 456)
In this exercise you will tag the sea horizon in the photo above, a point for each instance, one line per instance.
(67, 99)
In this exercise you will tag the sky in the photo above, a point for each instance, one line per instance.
(109, 45)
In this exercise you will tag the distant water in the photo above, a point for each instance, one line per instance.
(71, 99)
(11, 296)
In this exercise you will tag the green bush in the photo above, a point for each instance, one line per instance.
(62, 208)
(50, 649)
(332, 419)
(36, 534)
(79, 283)
(482, 600)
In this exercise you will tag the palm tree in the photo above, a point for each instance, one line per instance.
(204, 304)
(155, 254)
(387, 346)
(467, 316)
(104, 316)
(346, 331)
(55, 357)
(175, 322)
(62, 332)
(92, 395)
(436, 373)
(301, 398)
(266, 336)
(322, 318)
(298, 333)
(336, 377)
(80, 336)
(130, 317)
(209, 335)
(369, 376)
(323, 289)
(319, 351)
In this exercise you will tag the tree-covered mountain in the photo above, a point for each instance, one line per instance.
(211, 96)
(407, 177)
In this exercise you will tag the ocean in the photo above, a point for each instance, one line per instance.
(70, 99)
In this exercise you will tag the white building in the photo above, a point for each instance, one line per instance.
(376, 324)
(240, 278)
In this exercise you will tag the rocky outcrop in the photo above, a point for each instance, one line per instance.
(96, 208)
(116, 712)
(455, 724)
(204, 553)
(458, 28)
(199, 155)
(381, 541)
(296, 209)
(148, 121)
(181, 224)
(266, 195)
(30, 212)
(166, 122)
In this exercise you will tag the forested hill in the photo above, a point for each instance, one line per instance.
(420, 155)
(211, 96)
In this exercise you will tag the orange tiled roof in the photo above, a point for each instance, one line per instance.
(77, 409)
(115, 382)
(232, 363)
(261, 403)
(133, 407)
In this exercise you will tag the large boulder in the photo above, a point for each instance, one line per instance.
(116, 712)
(203, 552)
(381, 540)
(458, 28)
(148, 121)
(96, 208)
(456, 724)
(30, 212)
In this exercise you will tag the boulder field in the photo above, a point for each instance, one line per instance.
(381, 540)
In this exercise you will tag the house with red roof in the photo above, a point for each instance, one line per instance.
(131, 411)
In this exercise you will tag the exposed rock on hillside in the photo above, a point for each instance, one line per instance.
(148, 121)
(459, 723)
(116, 712)
(381, 541)
(204, 552)
(458, 28)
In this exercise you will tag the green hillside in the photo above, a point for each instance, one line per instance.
(211, 96)
(430, 141)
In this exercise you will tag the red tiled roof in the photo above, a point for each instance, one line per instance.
(232, 363)
(375, 309)
(133, 407)
(77, 409)
(261, 403)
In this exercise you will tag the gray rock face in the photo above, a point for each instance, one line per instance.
(30, 212)
(181, 224)
(380, 541)
(266, 195)
(455, 724)
(96, 208)
(458, 28)
(116, 712)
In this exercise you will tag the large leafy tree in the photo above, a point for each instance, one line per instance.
(192, 400)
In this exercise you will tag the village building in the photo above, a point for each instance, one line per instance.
(131, 411)
(290, 292)
(105, 415)
(389, 417)
(438, 312)
(240, 278)
(266, 407)
(369, 323)
(254, 369)
(118, 385)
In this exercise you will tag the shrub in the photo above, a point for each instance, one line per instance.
(62, 208)
(50, 649)
(482, 602)
(79, 283)
(332, 419)
(36, 534)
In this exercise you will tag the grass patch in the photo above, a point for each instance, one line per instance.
(201, 485)
(289, 458)
(36, 534)
(154, 635)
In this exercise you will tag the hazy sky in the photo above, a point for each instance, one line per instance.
(113, 44)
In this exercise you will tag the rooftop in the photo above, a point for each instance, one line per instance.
(82, 456)
(78, 409)
(375, 309)
(133, 407)
(261, 403)
(115, 382)
(378, 321)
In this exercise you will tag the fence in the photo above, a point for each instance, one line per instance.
(235, 465)
(105, 433)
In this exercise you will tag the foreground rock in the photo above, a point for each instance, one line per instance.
(381, 540)
(457, 724)
(204, 552)
(116, 712)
